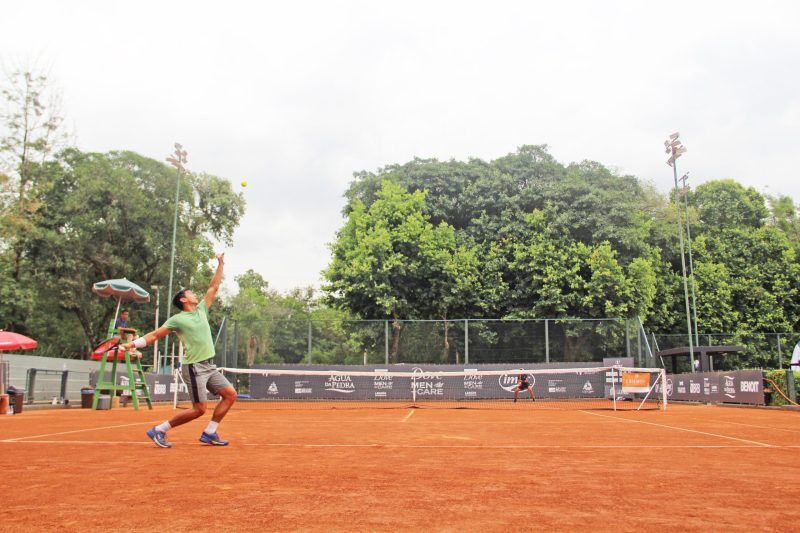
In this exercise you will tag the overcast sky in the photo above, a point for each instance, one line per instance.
(296, 96)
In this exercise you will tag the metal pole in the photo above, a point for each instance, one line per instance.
(683, 266)
(791, 386)
(780, 362)
(627, 340)
(691, 263)
(225, 342)
(546, 341)
(156, 358)
(639, 344)
(235, 345)
(174, 236)
(31, 384)
(466, 341)
(177, 160)
(386, 340)
(650, 358)
(64, 378)
(309, 342)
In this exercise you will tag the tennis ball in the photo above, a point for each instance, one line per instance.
(244, 184)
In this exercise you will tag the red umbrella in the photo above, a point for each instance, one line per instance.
(14, 341)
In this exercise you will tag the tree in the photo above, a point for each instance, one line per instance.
(727, 204)
(110, 216)
(784, 216)
(391, 261)
(32, 123)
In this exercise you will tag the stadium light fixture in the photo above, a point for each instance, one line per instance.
(675, 149)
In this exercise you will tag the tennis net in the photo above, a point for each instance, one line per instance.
(604, 387)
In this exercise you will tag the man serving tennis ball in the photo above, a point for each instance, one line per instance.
(198, 372)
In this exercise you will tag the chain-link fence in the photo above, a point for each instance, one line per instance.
(465, 341)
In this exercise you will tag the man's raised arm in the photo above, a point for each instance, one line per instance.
(212, 290)
(144, 340)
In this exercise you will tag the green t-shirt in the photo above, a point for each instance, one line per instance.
(194, 332)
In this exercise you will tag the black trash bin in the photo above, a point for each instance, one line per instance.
(87, 395)
(16, 396)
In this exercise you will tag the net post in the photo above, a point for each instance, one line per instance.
(613, 388)
(177, 371)
(664, 389)
(175, 390)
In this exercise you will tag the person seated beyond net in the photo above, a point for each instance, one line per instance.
(523, 383)
(199, 373)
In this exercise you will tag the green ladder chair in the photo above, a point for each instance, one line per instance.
(133, 370)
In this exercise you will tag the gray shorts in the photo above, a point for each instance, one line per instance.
(203, 376)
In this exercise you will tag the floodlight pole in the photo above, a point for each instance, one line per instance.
(691, 263)
(675, 149)
(177, 160)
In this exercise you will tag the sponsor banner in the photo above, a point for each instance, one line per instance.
(635, 382)
(161, 386)
(614, 378)
(738, 386)
(429, 384)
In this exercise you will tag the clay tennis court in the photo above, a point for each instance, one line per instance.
(689, 468)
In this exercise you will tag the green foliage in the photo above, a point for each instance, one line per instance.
(107, 216)
(390, 260)
(575, 241)
(274, 327)
(778, 377)
(727, 204)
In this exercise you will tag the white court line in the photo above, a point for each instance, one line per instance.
(516, 446)
(77, 431)
(681, 429)
(410, 412)
(69, 442)
(424, 446)
(762, 427)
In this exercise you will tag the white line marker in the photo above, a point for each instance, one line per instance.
(515, 447)
(70, 442)
(423, 446)
(78, 431)
(680, 429)
(410, 412)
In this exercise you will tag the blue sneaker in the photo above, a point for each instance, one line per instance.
(159, 437)
(213, 439)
